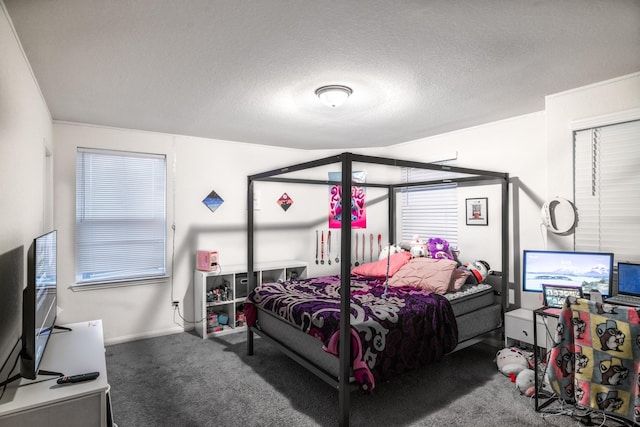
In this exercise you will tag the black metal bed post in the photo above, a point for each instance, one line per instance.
(345, 293)
(392, 214)
(250, 275)
(505, 243)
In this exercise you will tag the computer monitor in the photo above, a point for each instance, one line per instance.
(629, 278)
(39, 302)
(589, 270)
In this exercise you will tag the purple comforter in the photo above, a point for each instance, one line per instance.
(391, 335)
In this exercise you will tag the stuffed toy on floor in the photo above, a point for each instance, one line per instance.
(511, 361)
(525, 382)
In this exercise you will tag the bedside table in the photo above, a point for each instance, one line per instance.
(518, 326)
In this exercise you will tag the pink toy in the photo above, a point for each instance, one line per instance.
(361, 371)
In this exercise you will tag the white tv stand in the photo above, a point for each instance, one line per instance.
(42, 402)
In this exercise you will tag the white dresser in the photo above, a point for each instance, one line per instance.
(43, 402)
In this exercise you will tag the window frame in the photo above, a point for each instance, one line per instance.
(587, 217)
(154, 217)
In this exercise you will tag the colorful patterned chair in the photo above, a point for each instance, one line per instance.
(596, 361)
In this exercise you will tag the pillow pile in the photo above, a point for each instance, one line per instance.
(439, 275)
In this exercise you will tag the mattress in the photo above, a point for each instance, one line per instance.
(470, 298)
(476, 311)
(300, 343)
(393, 330)
(474, 307)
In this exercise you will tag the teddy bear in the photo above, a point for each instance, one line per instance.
(417, 247)
(439, 248)
(417, 251)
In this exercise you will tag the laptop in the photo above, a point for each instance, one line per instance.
(556, 295)
(628, 285)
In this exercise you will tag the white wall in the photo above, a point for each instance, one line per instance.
(125, 311)
(519, 146)
(196, 166)
(537, 152)
(515, 146)
(600, 100)
(25, 131)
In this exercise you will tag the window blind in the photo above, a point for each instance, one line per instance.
(120, 216)
(429, 211)
(607, 179)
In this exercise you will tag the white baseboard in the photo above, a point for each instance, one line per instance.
(145, 335)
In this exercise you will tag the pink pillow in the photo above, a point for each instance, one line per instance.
(378, 269)
(434, 275)
(458, 279)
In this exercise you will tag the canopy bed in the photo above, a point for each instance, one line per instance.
(391, 329)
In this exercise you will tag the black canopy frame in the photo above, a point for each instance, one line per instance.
(346, 161)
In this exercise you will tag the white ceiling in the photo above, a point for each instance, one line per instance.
(247, 70)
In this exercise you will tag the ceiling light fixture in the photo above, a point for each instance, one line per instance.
(333, 95)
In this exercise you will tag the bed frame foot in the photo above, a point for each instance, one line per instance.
(249, 342)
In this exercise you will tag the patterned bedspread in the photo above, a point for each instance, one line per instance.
(407, 329)
(596, 361)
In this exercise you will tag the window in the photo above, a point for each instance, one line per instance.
(607, 179)
(120, 216)
(429, 211)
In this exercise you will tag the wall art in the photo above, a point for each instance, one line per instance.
(285, 201)
(358, 211)
(213, 201)
(477, 211)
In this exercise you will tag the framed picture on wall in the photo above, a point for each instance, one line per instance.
(477, 211)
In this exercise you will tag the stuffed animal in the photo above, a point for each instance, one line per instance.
(417, 251)
(417, 247)
(389, 249)
(479, 271)
(439, 248)
(511, 360)
(525, 382)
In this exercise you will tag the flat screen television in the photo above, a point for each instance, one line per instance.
(39, 302)
(11, 285)
(589, 270)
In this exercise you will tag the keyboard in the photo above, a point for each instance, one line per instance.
(625, 300)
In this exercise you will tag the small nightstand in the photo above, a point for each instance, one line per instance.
(518, 326)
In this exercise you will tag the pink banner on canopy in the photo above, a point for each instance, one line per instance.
(358, 210)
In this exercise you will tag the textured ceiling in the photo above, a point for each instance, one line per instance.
(247, 70)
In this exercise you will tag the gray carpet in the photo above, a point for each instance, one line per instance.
(182, 380)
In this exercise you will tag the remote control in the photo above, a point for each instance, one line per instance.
(78, 378)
